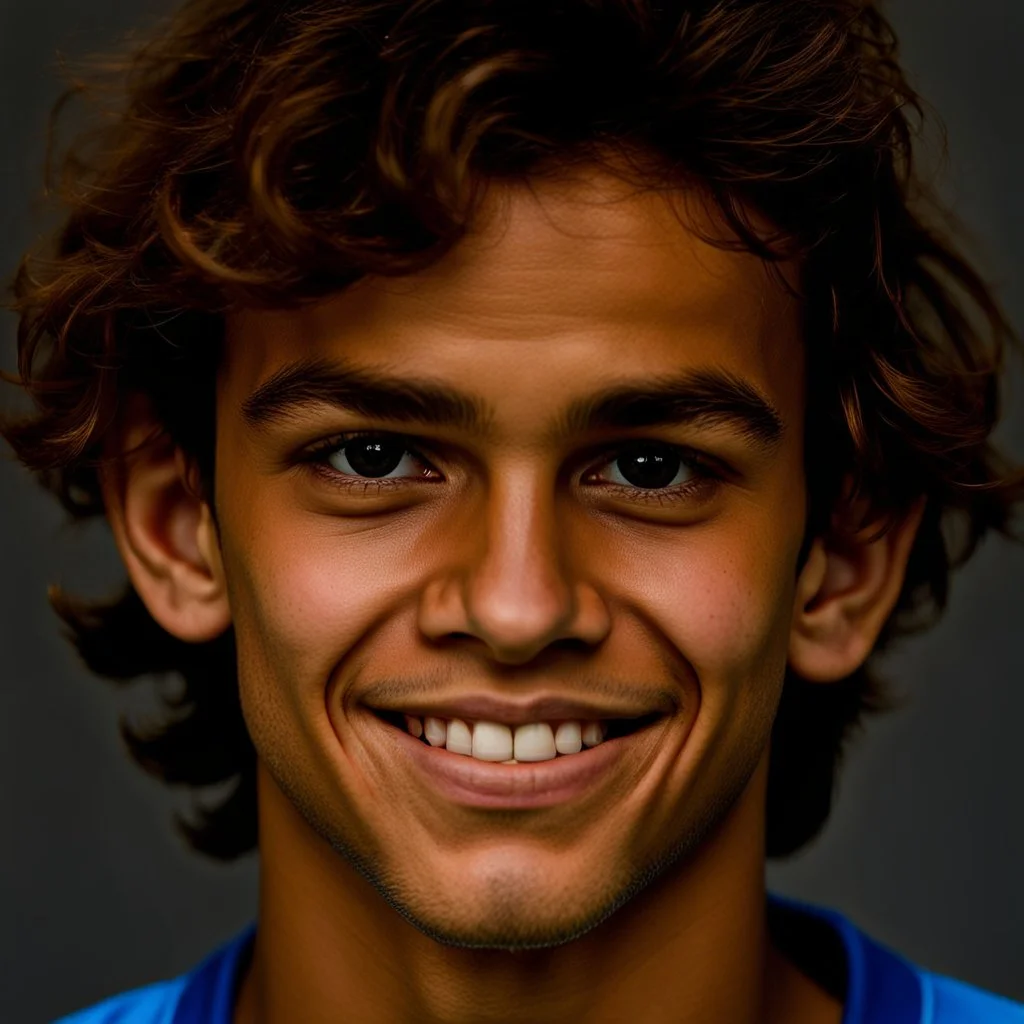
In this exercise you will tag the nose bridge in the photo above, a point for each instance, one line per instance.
(519, 597)
(513, 585)
(508, 577)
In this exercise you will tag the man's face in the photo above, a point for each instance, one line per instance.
(550, 535)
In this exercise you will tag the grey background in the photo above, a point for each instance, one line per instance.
(926, 845)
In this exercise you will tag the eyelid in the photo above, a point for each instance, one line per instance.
(336, 442)
(597, 455)
(708, 469)
(702, 461)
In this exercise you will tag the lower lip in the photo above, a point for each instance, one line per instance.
(486, 784)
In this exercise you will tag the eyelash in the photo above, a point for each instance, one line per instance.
(706, 475)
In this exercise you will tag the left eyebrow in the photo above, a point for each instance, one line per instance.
(706, 397)
(702, 397)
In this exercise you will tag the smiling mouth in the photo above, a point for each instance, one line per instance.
(531, 742)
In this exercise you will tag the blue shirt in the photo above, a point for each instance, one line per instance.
(881, 988)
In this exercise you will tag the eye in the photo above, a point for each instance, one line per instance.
(651, 466)
(374, 457)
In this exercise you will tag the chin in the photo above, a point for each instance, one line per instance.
(506, 901)
(514, 925)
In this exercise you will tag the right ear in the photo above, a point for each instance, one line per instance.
(163, 528)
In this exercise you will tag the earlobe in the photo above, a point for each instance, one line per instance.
(848, 587)
(164, 532)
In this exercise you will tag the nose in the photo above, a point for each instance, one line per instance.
(511, 587)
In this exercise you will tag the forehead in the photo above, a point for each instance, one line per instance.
(558, 287)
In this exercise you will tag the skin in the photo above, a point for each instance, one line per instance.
(515, 566)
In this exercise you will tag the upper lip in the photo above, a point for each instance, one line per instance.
(481, 707)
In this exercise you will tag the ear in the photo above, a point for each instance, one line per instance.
(163, 528)
(847, 589)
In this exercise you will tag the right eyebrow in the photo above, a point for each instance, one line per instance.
(318, 381)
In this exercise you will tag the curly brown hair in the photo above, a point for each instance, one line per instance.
(269, 154)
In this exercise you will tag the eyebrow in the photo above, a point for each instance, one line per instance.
(705, 396)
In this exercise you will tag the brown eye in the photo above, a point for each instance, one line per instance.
(650, 466)
(373, 457)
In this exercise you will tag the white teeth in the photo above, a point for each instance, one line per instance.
(534, 742)
(492, 741)
(436, 731)
(568, 738)
(460, 739)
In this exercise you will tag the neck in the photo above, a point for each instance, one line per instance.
(692, 948)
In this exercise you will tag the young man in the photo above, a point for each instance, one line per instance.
(520, 425)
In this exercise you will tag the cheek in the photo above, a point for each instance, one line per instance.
(736, 614)
(722, 600)
(304, 592)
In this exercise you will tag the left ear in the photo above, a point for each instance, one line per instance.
(847, 589)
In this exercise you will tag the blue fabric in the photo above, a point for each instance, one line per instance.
(882, 988)
(209, 995)
(205, 995)
(154, 1004)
